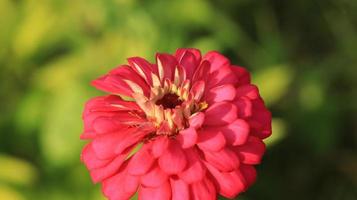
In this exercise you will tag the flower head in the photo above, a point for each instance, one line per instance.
(193, 128)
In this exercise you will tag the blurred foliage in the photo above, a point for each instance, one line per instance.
(302, 55)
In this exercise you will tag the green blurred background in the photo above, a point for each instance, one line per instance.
(302, 54)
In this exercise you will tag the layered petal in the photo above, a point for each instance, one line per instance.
(155, 177)
(187, 138)
(179, 189)
(189, 59)
(224, 160)
(195, 170)
(229, 184)
(204, 189)
(141, 162)
(211, 140)
(221, 93)
(173, 160)
(221, 113)
(120, 186)
(252, 151)
(158, 193)
(123, 81)
(217, 60)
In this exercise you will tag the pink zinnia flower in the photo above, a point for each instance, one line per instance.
(193, 129)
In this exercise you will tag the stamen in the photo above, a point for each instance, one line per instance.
(169, 100)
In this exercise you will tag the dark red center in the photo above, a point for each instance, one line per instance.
(169, 101)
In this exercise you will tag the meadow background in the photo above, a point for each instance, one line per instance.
(302, 55)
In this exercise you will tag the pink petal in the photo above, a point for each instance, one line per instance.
(142, 67)
(197, 90)
(260, 121)
(248, 90)
(196, 120)
(221, 93)
(195, 170)
(180, 190)
(112, 84)
(105, 125)
(221, 113)
(159, 146)
(141, 162)
(173, 160)
(237, 132)
(249, 173)
(195, 52)
(120, 186)
(203, 190)
(115, 82)
(245, 107)
(110, 103)
(217, 60)
(168, 62)
(252, 151)
(202, 72)
(188, 61)
(91, 160)
(132, 137)
(154, 178)
(242, 75)
(187, 137)
(221, 77)
(210, 140)
(104, 145)
(108, 170)
(158, 193)
(229, 184)
(224, 160)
